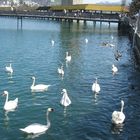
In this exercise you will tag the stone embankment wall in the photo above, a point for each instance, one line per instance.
(134, 34)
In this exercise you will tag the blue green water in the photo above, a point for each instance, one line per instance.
(89, 116)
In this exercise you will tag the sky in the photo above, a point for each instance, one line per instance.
(104, 1)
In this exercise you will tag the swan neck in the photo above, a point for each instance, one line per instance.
(6, 98)
(48, 120)
(33, 82)
(122, 108)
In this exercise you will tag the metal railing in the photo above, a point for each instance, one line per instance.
(91, 16)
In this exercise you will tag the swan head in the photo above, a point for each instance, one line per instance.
(113, 65)
(122, 105)
(5, 93)
(122, 102)
(33, 77)
(96, 80)
(50, 109)
(64, 91)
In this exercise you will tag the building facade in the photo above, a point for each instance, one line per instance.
(71, 2)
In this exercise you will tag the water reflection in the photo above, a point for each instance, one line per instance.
(32, 136)
(117, 129)
(65, 111)
(6, 119)
(10, 78)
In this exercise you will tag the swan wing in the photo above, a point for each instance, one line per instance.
(10, 105)
(40, 87)
(65, 100)
(59, 70)
(34, 128)
(114, 69)
(9, 69)
(93, 87)
(16, 100)
(68, 58)
(118, 117)
(96, 87)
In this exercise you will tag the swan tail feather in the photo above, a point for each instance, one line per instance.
(22, 129)
(16, 100)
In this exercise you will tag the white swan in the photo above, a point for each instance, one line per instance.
(37, 128)
(86, 40)
(96, 87)
(114, 69)
(65, 101)
(52, 42)
(68, 57)
(111, 45)
(118, 117)
(9, 68)
(10, 105)
(60, 70)
(39, 87)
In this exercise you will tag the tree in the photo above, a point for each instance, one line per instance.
(20, 1)
(134, 7)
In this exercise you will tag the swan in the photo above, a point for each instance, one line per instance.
(10, 105)
(39, 87)
(65, 101)
(106, 44)
(111, 45)
(52, 42)
(114, 68)
(86, 40)
(117, 55)
(68, 57)
(9, 68)
(60, 70)
(118, 117)
(37, 128)
(96, 87)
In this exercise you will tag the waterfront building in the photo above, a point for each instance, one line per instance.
(71, 2)
(53, 2)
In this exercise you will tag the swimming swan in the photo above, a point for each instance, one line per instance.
(52, 42)
(86, 40)
(96, 87)
(65, 101)
(39, 87)
(68, 57)
(37, 128)
(9, 69)
(60, 70)
(118, 117)
(114, 68)
(10, 105)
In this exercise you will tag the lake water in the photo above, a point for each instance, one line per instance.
(89, 116)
